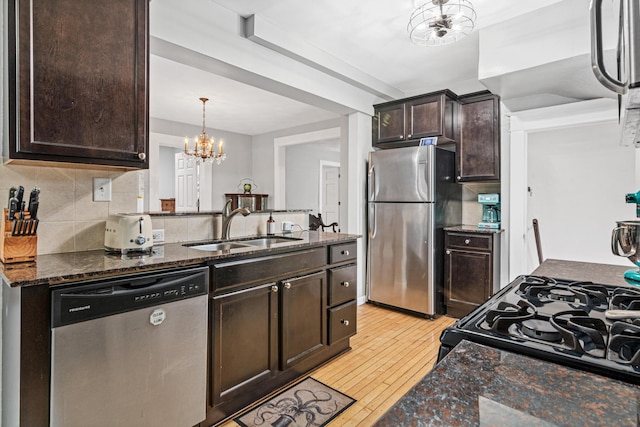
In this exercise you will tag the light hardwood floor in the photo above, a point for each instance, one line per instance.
(391, 352)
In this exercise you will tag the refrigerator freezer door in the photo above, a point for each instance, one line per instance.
(401, 250)
(402, 174)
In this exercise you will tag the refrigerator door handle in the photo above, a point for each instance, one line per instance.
(425, 171)
(372, 181)
(372, 220)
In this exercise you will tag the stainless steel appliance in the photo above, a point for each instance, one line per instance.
(412, 195)
(490, 210)
(130, 351)
(626, 83)
(559, 321)
(625, 242)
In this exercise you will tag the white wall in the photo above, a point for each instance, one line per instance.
(578, 178)
(303, 174)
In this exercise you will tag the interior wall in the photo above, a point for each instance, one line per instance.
(578, 178)
(303, 174)
(166, 180)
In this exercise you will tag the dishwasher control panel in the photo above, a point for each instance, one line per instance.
(95, 299)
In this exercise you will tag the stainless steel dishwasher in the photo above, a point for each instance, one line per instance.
(130, 351)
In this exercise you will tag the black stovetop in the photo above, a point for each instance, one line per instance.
(559, 321)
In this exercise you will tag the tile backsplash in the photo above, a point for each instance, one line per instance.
(70, 221)
(471, 209)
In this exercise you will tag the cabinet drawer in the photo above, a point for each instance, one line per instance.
(342, 284)
(342, 322)
(469, 241)
(342, 252)
(247, 271)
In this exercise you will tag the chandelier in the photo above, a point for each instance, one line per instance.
(204, 146)
(439, 22)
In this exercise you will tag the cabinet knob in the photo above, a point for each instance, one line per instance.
(274, 288)
(345, 284)
(409, 136)
(344, 322)
(287, 285)
(448, 252)
(467, 241)
(401, 136)
(142, 156)
(458, 177)
(345, 253)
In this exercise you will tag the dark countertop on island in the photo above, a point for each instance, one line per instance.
(604, 274)
(475, 385)
(55, 269)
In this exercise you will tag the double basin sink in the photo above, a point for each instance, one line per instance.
(262, 242)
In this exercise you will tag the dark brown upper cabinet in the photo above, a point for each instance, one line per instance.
(402, 123)
(478, 149)
(78, 81)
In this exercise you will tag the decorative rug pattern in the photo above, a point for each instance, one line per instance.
(305, 404)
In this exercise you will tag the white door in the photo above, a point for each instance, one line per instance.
(330, 194)
(186, 183)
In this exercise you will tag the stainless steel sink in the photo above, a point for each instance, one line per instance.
(262, 242)
(224, 246)
(268, 241)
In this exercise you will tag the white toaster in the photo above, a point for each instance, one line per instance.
(128, 233)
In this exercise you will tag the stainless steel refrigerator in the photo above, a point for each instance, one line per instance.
(412, 195)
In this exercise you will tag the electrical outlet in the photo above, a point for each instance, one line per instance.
(101, 189)
(158, 235)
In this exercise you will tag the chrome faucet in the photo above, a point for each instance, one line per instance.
(227, 216)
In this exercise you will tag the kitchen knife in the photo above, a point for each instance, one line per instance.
(13, 208)
(34, 198)
(20, 194)
(12, 193)
(22, 223)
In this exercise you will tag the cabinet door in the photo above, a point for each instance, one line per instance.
(304, 319)
(389, 124)
(244, 341)
(425, 117)
(478, 156)
(468, 280)
(78, 91)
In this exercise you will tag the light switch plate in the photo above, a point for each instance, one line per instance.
(101, 189)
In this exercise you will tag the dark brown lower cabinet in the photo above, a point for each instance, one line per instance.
(471, 270)
(245, 341)
(274, 319)
(304, 318)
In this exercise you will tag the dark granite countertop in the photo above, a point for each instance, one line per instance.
(75, 266)
(475, 385)
(167, 213)
(472, 229)
(604, 274)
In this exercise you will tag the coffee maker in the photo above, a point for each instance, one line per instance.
(490, 210)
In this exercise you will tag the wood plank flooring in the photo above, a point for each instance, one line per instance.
(391, 352)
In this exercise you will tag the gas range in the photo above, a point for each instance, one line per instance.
(559, 321)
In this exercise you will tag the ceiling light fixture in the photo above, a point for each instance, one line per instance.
(205, 146)
(439, 22)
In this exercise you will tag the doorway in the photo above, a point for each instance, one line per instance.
(329, 192)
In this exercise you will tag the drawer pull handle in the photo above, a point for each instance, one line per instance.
(274, 288)
(345, 322)
(467, 241)
(346, 253)
(345, 284)
(287, 285)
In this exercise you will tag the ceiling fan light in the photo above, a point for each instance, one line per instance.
(439, 22)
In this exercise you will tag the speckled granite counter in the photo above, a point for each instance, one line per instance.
(605, 274)
(473, 229)
(477, 385)
(74, 266)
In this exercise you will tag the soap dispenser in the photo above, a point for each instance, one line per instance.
(271, 225)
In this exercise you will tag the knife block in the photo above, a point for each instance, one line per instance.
(16, 248)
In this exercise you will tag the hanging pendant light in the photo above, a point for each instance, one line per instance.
(204, 146)
(438, 22)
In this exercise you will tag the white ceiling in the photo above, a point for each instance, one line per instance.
(368, 35)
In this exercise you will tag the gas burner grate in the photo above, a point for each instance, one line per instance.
(581, 333)
(624, 344)
(585, 295)
(504, 314)
(625, 299)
